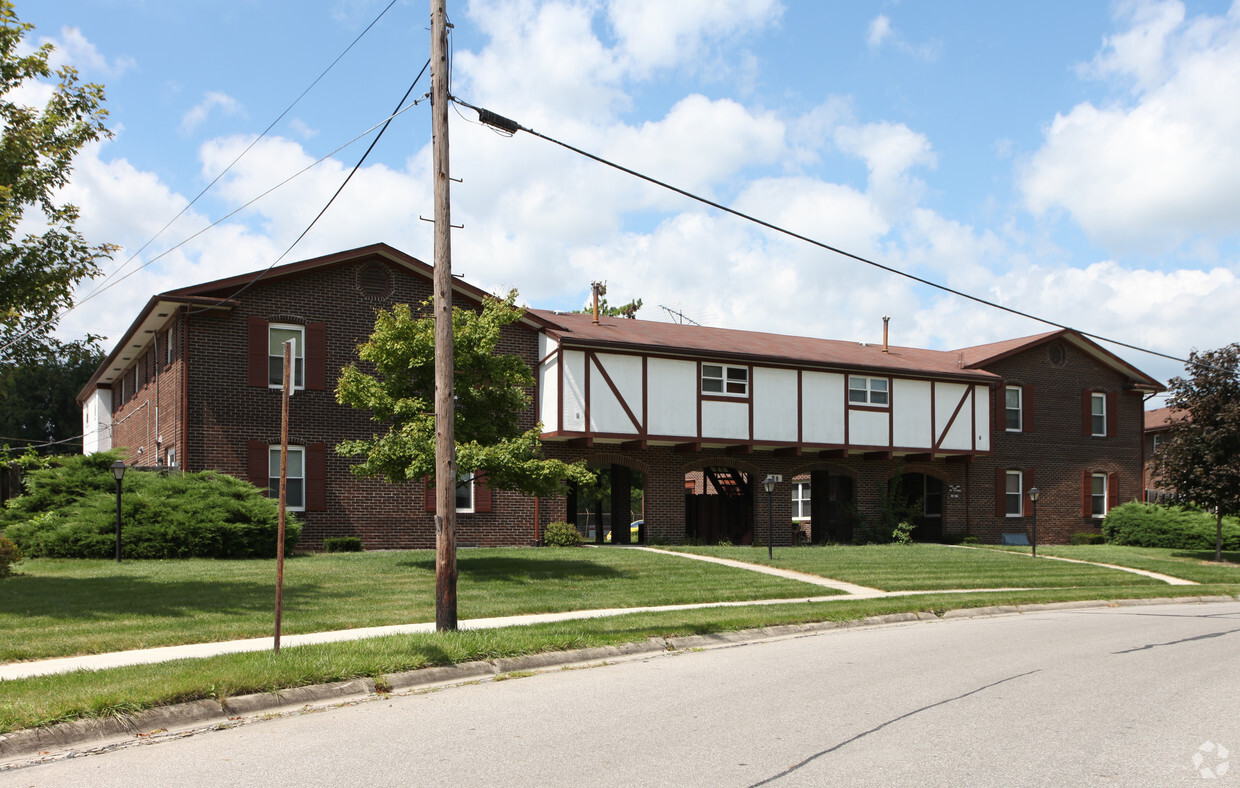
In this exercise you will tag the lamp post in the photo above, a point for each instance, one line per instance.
(768, 484)
(118, 473)
(1034, 492)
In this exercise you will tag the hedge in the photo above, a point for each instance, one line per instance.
(1148, 525)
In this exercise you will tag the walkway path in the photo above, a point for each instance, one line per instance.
(17, 670)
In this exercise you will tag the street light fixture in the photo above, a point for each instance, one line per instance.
(768, 484)
(118, 473)
(1034, 492)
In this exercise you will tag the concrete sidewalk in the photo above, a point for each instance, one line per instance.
(18, 670)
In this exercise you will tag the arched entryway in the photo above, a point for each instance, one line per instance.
(617, 497)
(719, 505)
(832, 506)
(920, 495)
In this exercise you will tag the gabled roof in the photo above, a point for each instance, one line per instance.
(578, 330)
(1161, 419)
(981, 356)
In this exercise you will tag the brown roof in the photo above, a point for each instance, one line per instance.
(723, 343)
(1162, 418)
(984, 355)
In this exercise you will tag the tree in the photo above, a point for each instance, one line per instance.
(39, 270)
(1200, 456)
(491, 396)
(628, 310)
(38, 396)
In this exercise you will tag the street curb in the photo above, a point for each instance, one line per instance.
(201, 713)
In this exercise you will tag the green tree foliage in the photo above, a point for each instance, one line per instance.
(492, 393)
(1199, 456)
(38, 396)
(69, 511)
(37, 144)
(628, 310)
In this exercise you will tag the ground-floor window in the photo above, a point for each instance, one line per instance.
(1015, 493)
(800, 501)
(1098, 494)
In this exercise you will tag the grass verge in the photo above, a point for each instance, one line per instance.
(46, 700)
(1196, 565)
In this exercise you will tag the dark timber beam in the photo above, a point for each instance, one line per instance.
(581, 443)
(788, 451)
(877, 455)
(925, 457)
(688, 448)
(833, 454)
(746, 448)
(633, 445)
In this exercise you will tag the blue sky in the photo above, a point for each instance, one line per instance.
(1072, 160)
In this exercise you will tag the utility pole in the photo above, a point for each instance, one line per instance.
(445, 405)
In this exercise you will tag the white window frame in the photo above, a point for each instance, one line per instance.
(1094, 496)
(730, 385)
(273, 479)
(1020, 408)
(801, 501)
(299, 356)
(1097, 410)
(1157, 440)
(863, 385)
(1019, 493)
(467, 481)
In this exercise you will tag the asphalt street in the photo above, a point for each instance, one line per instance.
(1132, 695)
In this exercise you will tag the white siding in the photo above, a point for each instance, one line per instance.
(97, 421)
(606, 412)
(574, 390)
(910, 403)
(774, 404)
(549, 391)
(868, 428)
(725, 420)
(822, 403)
(981, 410)
(672, 396)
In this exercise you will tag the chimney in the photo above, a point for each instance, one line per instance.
(886, 320)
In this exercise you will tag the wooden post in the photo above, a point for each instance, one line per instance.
(445, 406)
(284, 394)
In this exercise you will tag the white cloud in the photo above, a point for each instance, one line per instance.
(1162, 168)
(880, 33)
(879, 30)
(73, 49)
(655, 34)
(212, 102)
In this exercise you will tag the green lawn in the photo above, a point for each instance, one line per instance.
(930, 567)
(1196, 565)
(53, 608)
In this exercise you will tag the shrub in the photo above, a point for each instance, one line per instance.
(903, 532)
(1145, 525)
(1087, 537)
(561, 534)
(971, 540)
(9, 555)
(69, 511)
(342, 544)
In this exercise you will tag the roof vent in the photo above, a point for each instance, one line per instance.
(886, 320)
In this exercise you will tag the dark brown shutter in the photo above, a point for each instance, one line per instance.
(1026, 407)
(256, 352)
(1000, 492)
(1027, 485)
(316, 477)
(1087, 423)
(428, 495)
(482, 493)
(316, 356)
(1087, 508)
(1112, 414)
(1112, 491)
(998, 409)
(258, 469)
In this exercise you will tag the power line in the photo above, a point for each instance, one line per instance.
(248, 148)
(512, 127)
(344, 183)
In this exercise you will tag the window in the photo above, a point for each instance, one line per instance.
(277, 335)
(1012, 408)
(465, 493)
(1098, 414)
(1098, 494)
(867, 391)
(1015, 494)
(1157, 440)
(722, 379)
(295, 492)
(800, 501)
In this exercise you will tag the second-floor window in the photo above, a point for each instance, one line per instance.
(277, 335)
(1098, 414)
(1012, 409)
(726, 380)
(295, 487)
(868, 391)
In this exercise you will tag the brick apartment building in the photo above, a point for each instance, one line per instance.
(965, 434)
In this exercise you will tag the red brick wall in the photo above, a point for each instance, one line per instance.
(1056, 449)
(135, 426)
(225, 413)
